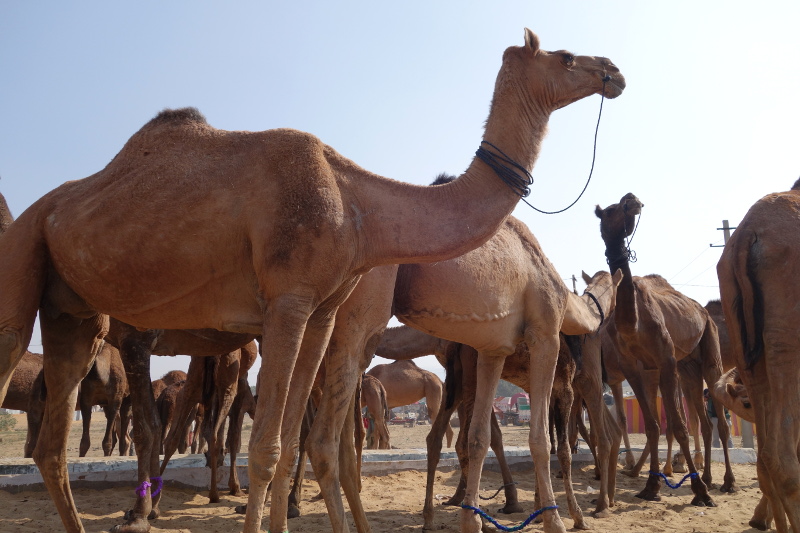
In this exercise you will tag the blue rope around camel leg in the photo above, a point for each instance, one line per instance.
(501, 527)
(670, 485)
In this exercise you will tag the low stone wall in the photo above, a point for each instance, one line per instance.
(190, 471)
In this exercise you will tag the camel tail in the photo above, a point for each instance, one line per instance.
(452, 375)
(748, 306)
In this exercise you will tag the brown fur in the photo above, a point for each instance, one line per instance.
(668, 333)
(373, 397)
(760, 305)
(406, 383)
(254, 273)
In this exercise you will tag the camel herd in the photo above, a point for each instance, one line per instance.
(199, 241)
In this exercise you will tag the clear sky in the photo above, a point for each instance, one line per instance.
(707, 125)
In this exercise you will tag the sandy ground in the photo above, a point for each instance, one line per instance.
(392, 502)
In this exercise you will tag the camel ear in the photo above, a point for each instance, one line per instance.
(617, 276)
(531, 40)
(731, 390)
(586, 277)
(598, 211)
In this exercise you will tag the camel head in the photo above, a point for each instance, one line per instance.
(618, 221)
(604, 287)
(556, 79)
(732, 393)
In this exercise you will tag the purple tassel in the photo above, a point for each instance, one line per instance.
(141, 491)
(159, 484)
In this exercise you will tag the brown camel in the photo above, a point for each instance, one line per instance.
(373, 397)
(276, 268)
(574, 352)
(23, 390)
(406, 383)
(761, 311)
(105, 385)
(324, 430)
(668, 333)
(213, 382)
(714, 308)
(467, 300)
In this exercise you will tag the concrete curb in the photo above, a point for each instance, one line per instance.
(189, 471)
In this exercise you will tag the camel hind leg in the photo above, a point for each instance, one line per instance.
(22, 281)
(70, 346)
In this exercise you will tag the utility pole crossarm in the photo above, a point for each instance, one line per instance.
(726, 229)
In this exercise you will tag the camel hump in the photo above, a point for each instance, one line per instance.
(796, 186)
(176, 116)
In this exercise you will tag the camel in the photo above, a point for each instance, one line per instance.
(172, 377)
(459, 301)
(668, 333)
(406, 383)
(214, 382)
(105, 385)
(760, 309)
(373, 397)
(276, 268)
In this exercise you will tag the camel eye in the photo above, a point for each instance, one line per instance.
(746, 405)
(569, 59)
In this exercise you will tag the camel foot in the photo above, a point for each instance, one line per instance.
(679, 467)
(729, 487)
(597, 474)
(668, 470)
(511, 508)
(137, 525)
(237, 492)
(453, 501)
(293, 512)
(130, 515)
(602, 513)
(317, 498)
(580, 525)
(213, 499)
(703, 501)
(630, 473)
(559, 474)
(759, 524)
(651, 489)
(240, 509)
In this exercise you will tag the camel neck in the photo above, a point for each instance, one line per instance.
(625, 314)
(427, 224)
(5, 215)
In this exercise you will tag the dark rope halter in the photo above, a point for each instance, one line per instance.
(625, 253)
(518, 178)
(594, 299)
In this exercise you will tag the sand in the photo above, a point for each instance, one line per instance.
(394, 502)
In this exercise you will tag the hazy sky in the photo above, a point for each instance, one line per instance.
(707, 125)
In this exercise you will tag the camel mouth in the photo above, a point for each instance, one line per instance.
(613, 87)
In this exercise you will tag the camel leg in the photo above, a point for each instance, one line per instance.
(622, 421)
(186, 404)
(122, 428)
(300, 470)
(226, 380)
(453, 389)
(86, 423)
(668, 471)
(469, 380)
(488, 375)
(312, 349)
(351, 478)
(35, 415)
(234, 440)
(284, 323)
(711, 372)
(70, 346)
(606, 442)
(135, 350)
(543, 354)
(669, 391)
(647, 402)
(561, 405)
(112, 414)
(509, 487)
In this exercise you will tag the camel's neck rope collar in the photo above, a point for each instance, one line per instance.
(623, 254)
(597, 303)
(509, 170)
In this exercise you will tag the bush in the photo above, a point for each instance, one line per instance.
(7, 422)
